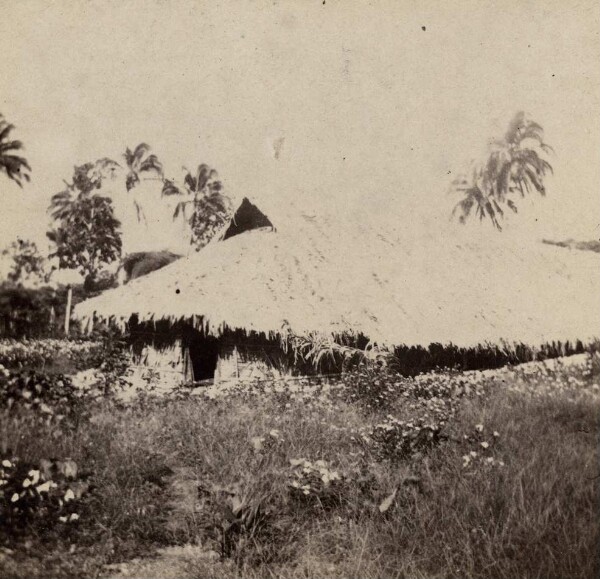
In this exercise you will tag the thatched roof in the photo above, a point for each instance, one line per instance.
(142, 263)
(316, 277)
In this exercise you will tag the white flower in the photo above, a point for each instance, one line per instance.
(62, 519)
(257, 442)
(6, 463)
(35, 476)
(69, 495)
(485, 444)
(473, 454)
(26, 483)
(479, 427)
(74, 517)
(14, 498)
(43, 488)
(496, 433)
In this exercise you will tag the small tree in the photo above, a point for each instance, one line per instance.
(86, 235)
(515, 164)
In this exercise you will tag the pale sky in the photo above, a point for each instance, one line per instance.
(374, 110)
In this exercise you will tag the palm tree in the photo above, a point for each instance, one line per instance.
(515, 165)
(16, 168)
(211, 209)
(140, 161)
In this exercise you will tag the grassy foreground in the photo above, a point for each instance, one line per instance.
(452, 475)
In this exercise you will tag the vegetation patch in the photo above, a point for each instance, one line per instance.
(442, 474)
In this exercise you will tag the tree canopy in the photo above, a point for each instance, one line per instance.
(86, 235)
(27, 262)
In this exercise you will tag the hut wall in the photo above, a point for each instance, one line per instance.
(232, 365)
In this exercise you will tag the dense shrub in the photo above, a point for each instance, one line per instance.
(35, 312)
(43, 496)
(43, 397)
(45, 354)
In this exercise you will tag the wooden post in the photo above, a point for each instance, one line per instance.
(237, 367)
(68, 310)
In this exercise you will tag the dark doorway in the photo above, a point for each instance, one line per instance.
(204, 353)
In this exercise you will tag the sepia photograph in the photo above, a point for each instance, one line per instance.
(297, 289)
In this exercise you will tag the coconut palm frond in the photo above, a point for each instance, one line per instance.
(521, 128)
(463, 208)
(60, 204)
(140, 161)
(15, 167)
(151, 163)
(128, 156)
(170, 188)
(131, 181)
(533, 159)
(504, 180)
(206, 176)
(15, 164)
(5, 129)
(535, 179)
(532, 131)
(180, 208)
(102, 169)
(189, 181)
(487, 208)
(10, 146)
(197, 182)
(139, 211)
(141, 150)
(107, 165)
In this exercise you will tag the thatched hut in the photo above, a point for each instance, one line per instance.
(259, 283)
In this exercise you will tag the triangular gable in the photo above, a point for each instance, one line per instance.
(247, 217)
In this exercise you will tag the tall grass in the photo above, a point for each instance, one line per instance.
(217, 474)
